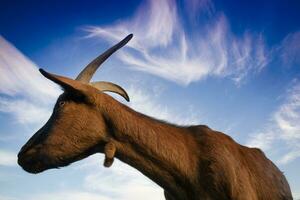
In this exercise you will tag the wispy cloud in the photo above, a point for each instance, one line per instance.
(20, 76)
(296, 195)
(131, 184)
(148, 102)
(198, 7)
(25, 112)
(7, 158)
(67, 195)
(289, 50)
(2, 197)
(284, 127)
(25, 93)
(126, 178)
(162, 46)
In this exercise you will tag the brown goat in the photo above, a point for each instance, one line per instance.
(189, 163)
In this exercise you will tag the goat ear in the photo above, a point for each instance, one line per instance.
(67, 84)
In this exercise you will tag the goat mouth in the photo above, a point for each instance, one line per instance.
(33, 170)
(37, 167)
(34, 166)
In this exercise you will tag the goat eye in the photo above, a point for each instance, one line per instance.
(61, 103)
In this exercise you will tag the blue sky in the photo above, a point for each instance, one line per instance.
(230, 65)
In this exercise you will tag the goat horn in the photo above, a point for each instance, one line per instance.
(110, 87)
(86, 74)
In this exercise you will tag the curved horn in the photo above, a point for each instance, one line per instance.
(110, 87)
(86, 74)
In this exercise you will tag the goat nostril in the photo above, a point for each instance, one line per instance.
(25, 152)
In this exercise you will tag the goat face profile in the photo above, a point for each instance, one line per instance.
(75, 129)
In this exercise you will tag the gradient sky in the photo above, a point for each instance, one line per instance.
(230, 65)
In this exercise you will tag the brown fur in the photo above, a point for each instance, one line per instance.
(189, 163)
(109, 151)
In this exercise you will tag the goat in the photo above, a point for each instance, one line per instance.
(189, 163)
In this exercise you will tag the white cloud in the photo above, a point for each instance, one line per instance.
(289, 50)
(288, 116)
(163, 47)
(26, 93)
(296, 195)
(197, 7)
(149, 103)
(68, 195)
(262, 140)
(284, 127)
(122, 182)
(20, 76)
(24, 111)
(290, 156)
(8, 158)
(2, 197)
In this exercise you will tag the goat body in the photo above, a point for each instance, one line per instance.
(193, 162)
(189, 163)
